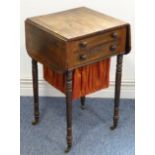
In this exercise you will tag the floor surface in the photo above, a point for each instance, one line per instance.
(91, 133)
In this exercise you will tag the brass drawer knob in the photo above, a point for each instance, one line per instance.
(113, 48)
(83, 57)
(83, 44)
(115, 35)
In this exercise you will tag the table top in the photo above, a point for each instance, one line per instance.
(74, 38)
(76, 23)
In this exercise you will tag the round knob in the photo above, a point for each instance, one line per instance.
(83, 57)
(113, 48)
(115, 35)
(83, 44)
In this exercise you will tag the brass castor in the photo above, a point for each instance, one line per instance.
(68, 148)
(113, 127)
(115, 122)
(35, 122)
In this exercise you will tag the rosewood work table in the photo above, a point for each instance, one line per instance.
(71, 39)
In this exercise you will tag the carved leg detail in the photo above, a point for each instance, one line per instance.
(35, 92)
(69, 109)
(117, 91)
(83, 102)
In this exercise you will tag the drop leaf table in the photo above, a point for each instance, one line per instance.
(71, 39)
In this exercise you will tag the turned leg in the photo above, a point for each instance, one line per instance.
(35, 91)
(83, 102)
(69, 109)
(117, 91)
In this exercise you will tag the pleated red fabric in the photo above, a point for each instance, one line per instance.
(86, 80)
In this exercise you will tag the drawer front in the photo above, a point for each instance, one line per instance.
(98, 47)
(97, 53)
(97, 40)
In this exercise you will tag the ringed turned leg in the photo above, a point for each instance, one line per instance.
(117, 91)
(83, 102)
(35, 92)
(69, 109)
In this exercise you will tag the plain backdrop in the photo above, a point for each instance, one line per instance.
(145, 72)
(122, 9)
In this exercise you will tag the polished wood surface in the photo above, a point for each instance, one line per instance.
(35, 92)
(77, 37)
(117, 90)
(45, 48)
(97, 48)
(76, 22)
(68, 80)
(102, 38)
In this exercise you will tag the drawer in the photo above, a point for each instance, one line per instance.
(98, 48)
(97, 40)
(97, 53)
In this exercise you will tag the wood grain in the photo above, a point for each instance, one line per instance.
(76, 23)
(74, 38)
(45, 48)
(98, 48)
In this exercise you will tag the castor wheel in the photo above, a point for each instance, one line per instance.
(115, 123)
(35, 122)
(68, 148)
(113, 127)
